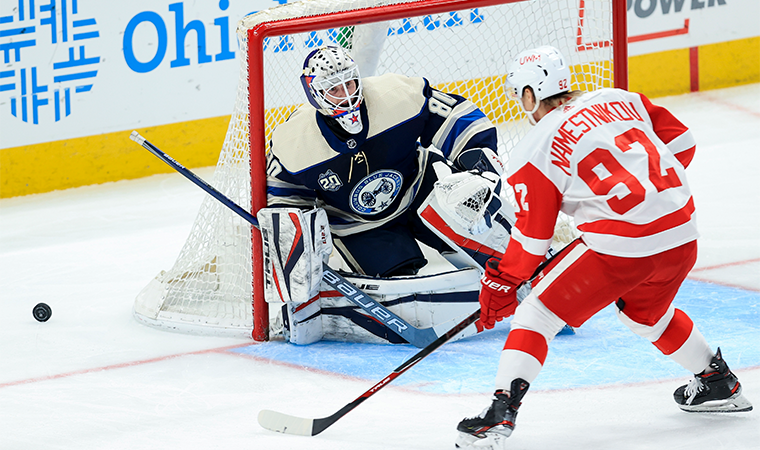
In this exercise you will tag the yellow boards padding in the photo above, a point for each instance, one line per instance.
(729, 64)
(49, 166)
(660, 74)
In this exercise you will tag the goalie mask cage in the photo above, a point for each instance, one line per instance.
(459, 46)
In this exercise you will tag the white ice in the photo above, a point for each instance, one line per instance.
(93, 378)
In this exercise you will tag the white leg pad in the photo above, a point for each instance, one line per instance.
(303, 324)
(424, 301)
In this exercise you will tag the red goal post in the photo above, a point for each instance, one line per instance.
(460, 46)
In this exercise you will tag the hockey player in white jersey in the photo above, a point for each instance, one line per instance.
(378, 164)
(616, 163)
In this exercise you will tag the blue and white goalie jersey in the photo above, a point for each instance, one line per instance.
(366, 180)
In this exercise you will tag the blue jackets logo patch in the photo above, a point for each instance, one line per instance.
(375, 192)
(329, 181)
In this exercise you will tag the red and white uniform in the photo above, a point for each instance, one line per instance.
(616, 163)
(587, 159)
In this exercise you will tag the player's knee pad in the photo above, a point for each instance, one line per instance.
(467, 213)
(423, 301)
(533, 315)
(295, 246)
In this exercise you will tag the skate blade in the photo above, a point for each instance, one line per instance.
(735, 403)
(466, 441)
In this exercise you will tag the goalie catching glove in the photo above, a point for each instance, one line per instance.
(471, 198)
(498, 295)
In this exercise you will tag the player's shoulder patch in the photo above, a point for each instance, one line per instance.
(392, 99)
(298, 143)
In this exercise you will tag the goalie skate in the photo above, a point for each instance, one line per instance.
(716, 390)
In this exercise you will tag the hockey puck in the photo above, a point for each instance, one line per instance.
(42, 312)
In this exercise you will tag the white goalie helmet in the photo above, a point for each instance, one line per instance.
(544, 69)
(333, 85)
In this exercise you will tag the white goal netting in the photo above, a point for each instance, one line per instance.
(209, 288)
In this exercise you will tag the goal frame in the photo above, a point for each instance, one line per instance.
(257, 125)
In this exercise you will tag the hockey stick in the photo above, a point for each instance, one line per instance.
(285, 423)
(419, 337)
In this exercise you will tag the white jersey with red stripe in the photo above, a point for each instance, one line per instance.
(614, 162)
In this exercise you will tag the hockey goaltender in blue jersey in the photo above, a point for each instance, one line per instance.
(372, 167)
(369, 179)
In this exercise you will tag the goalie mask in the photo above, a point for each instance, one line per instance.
(544, 69)
(332, 84)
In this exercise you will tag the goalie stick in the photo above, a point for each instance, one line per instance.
(285, 423)
(419, 337)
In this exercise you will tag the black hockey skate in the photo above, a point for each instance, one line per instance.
(716, 389)
(490, 429)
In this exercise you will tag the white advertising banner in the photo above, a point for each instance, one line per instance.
(74, 68)
(659, 25)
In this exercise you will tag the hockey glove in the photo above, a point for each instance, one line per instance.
(469, 198)
(498, 296)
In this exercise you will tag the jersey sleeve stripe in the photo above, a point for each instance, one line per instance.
(665, 124)
(685, 157)
(683, 147)
(462, 109)
(537, 247)
(465, 136)
(682, 143)
(625, 229)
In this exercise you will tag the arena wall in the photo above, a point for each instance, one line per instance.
(77, 81)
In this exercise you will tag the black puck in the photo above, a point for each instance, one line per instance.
(42, 312)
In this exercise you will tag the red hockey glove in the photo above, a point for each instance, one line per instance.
(498, 296)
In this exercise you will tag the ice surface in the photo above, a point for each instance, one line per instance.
(93, 378)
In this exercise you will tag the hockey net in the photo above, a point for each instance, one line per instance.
(460, 46)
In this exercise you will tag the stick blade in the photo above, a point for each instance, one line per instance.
(284, 423)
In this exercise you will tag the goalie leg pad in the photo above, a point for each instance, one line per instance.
(423, 301)
(295, 246)
(302, 322)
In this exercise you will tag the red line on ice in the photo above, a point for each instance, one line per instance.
(120, 365)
